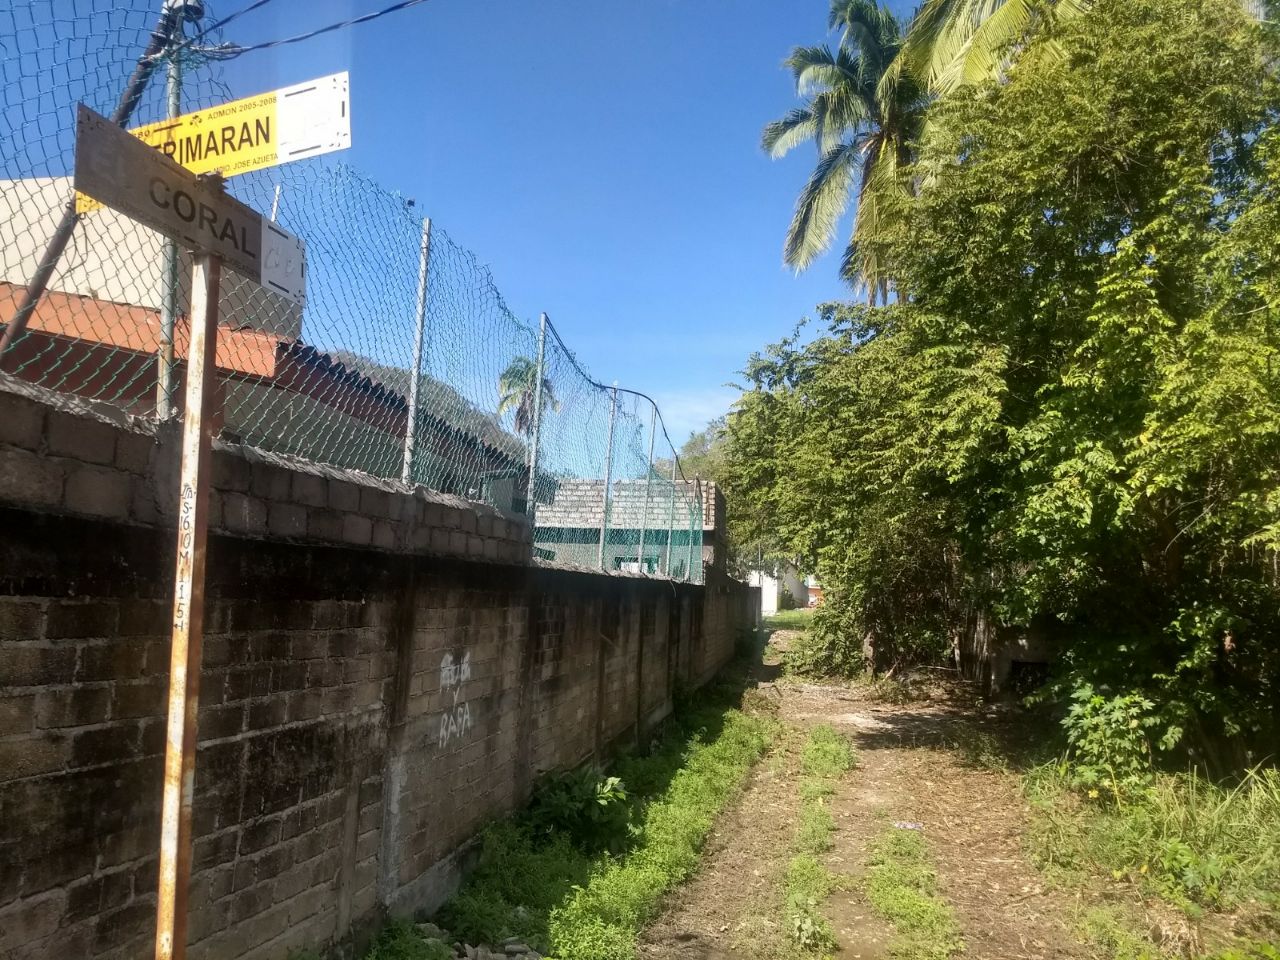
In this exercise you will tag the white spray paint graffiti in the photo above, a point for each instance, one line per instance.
(455, 721)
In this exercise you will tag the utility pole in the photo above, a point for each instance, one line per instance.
(185, 656)
(419, 336)
(608, 473)
(169, 301)
(540, 374)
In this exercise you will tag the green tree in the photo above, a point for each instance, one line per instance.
(862, 128)
(516, 389)
(1072, 415)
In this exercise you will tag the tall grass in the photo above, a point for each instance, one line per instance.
(1192, 842)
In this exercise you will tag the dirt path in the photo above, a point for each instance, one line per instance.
(909, 771)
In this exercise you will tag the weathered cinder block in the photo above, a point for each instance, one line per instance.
(27, 479)
(324, 524)
(286, 520)
(311, 490)
(270, 482)
(376, 503)
(231, 472)
(384, 535)
(21, 619)
(133, 451)
(244, 515)
(98, 491)
(357, 529)
(343, 495)
(79, 437)
(22, 423)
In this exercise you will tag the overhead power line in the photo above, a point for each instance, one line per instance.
(228, 51)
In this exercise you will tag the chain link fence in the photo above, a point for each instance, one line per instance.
(405, 363)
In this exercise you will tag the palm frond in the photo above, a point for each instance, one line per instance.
(782, 136)
(952, 43)
(879, 195)
(823, 200)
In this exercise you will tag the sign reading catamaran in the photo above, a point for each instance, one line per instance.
(291, 123)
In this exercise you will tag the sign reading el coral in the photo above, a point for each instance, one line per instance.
(118, 170)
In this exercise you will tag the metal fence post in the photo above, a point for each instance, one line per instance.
(695, 515)
(531, 502)
(644, 515)
(608, 473)
(415, 375)
(671, 513)
(169, 281)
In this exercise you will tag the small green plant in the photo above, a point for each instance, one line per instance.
(590, 808)
(902, 888)
(1109, 745)
(808, 884)
(535, 882)
(1110, 931)
(786, 600)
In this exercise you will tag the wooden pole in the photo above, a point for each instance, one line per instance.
(188, 614)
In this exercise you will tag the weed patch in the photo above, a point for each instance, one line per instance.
(902, 887)
(568, 898)
(1193, 843)
(400, 941)
(825, 757)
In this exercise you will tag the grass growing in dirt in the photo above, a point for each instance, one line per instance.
(827, 755)
(789, 619)
(902, 888)
(1198, 845)
(544, 888)
(825, 758)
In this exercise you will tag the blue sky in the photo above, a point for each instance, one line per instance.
(602, 158)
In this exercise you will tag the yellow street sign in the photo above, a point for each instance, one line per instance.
(304, 120)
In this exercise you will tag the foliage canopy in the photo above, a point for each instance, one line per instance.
(1070, 419)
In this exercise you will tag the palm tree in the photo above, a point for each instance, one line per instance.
(862, 127)
(955, 43)
(516, 388)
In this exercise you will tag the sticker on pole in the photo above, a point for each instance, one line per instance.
(292, 123)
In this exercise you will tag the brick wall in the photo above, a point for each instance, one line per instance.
(384, 671)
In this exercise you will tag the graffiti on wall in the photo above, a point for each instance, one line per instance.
(455, 719)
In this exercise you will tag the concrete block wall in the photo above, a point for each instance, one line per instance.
(385, 670)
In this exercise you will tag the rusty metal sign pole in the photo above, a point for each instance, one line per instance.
(188, 613)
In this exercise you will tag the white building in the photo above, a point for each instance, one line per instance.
(772, 587)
